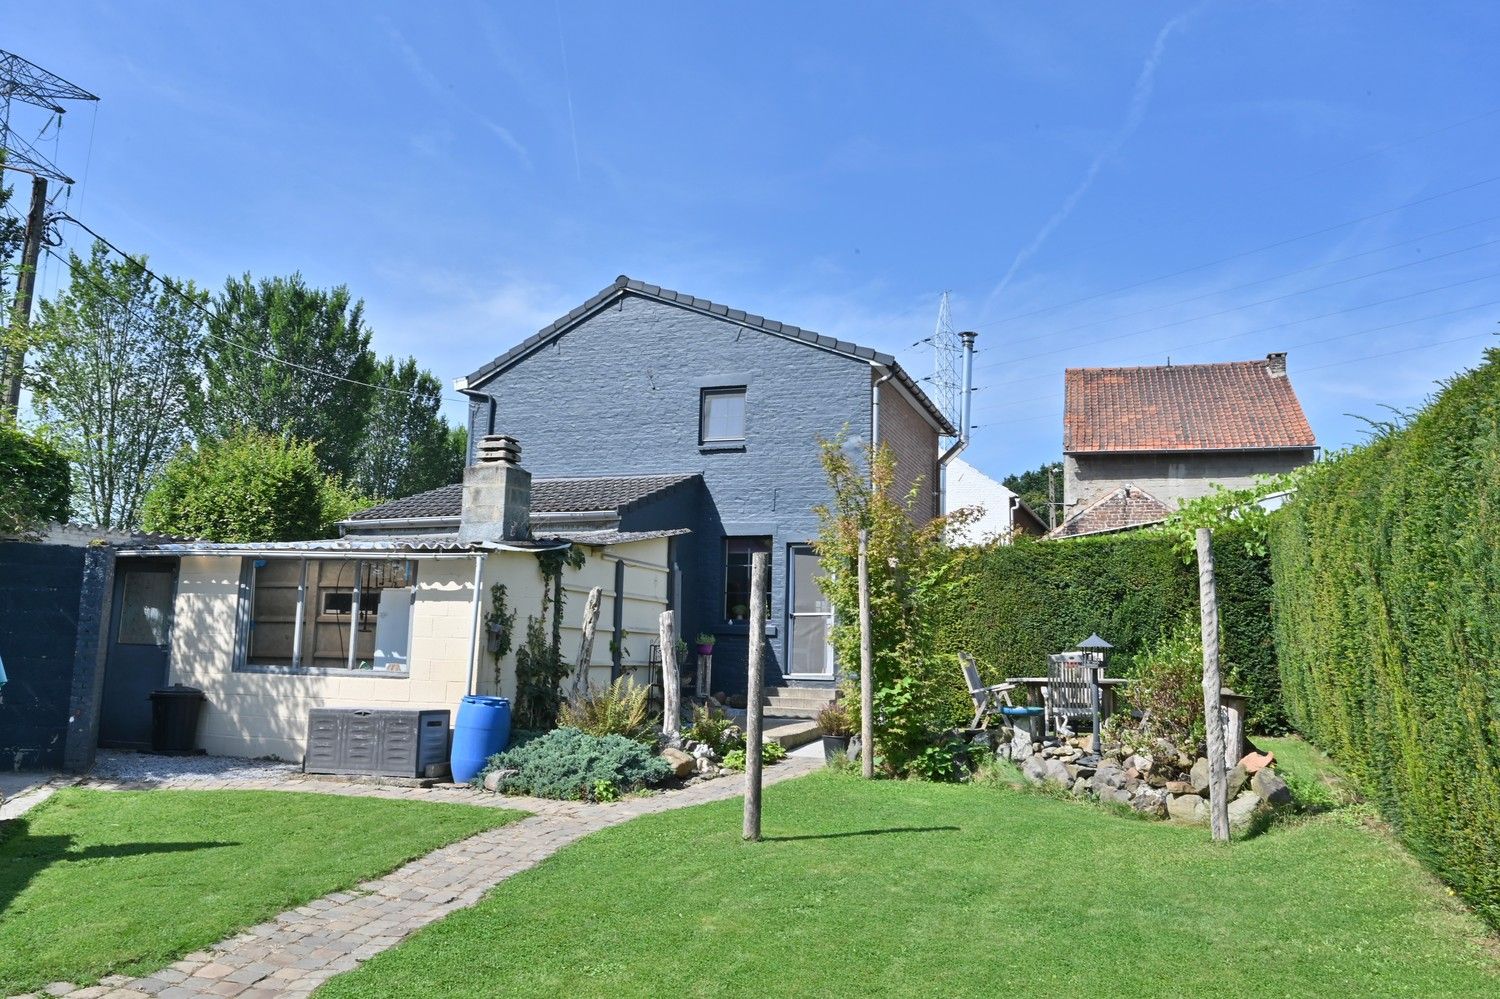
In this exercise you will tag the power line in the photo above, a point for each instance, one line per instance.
(1244, 253)
(213, 317)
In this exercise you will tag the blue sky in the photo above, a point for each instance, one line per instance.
(1093, 182)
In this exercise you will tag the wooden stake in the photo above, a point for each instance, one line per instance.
(755, 693)
(586, 647)
(671, 679)
(866, 668)
(1213, 717)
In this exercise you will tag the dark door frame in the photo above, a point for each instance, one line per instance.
(115, 660)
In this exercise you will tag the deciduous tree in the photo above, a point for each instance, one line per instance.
(408, 447)
(118, 366)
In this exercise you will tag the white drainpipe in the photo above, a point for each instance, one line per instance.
(964, 403)
(474, 625)
(875, 414)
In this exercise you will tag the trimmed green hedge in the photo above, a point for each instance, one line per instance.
(1024, 601)
(35, 481)
(1387, 600)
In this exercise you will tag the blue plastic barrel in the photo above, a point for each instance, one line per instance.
(482, 730)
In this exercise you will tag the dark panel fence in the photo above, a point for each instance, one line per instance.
(51, 614)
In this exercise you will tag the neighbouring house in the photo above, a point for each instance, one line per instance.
(392, 614)
(1004, 515)
(643, 381)
(1137, 441)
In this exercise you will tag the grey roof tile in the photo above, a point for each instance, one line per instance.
(562, 495)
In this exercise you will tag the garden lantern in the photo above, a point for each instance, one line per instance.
(1095, 654)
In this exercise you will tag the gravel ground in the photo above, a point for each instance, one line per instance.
(115, 765)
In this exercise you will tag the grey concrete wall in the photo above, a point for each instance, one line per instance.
(619, 395)
(1171, 477)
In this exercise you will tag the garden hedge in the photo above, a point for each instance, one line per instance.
(1020, 602)
(1387, 621)
(35, 481)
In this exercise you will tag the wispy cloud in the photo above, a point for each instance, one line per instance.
(1140, 101)
(444, 93)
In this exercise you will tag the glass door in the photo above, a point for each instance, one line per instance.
(810, 616)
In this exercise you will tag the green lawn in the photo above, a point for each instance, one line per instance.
(904, 888)
(101, 882)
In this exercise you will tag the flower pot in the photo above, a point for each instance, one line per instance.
(835, 746)
(706, 650)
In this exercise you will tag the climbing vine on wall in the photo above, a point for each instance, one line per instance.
(499, 628)
(539, 663)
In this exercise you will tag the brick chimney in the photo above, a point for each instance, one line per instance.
(1276, 365)
(497, 493)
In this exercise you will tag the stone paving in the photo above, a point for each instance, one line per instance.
(294, 953)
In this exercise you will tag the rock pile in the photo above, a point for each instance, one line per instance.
(1164, 783)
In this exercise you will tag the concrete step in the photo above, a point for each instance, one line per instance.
(791, 732)
(798, 696)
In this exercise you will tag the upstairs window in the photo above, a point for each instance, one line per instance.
(721, 416)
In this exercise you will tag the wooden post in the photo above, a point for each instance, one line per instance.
(866, 668)
(671, 679)
(15, 357)
(1213, 717)
(755, 693)
(586, 647)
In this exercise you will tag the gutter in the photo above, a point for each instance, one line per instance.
(875, 412)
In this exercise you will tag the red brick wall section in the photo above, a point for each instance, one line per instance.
(915, 444)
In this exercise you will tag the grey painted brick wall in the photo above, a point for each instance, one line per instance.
(1171, 477)
(619, 394)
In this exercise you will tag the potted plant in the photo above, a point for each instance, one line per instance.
(705, 644)
(738, 612)
(837, 728)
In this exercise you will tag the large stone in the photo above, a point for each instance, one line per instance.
(1149, 801)
(1254, 763)
(1198, 776)
(1243, 809)
(1271, 787)
(1107, 776)
(1235, 781)
(1057, 772)
(1034, 768)
(494, 778)
(1187, 808)
(1179, 787)
(1020, 744)
(682, 764)
(1080, 788)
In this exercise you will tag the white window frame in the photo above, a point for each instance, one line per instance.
(721, 391)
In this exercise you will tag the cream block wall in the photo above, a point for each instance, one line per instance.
(645, 598)
(265, 714)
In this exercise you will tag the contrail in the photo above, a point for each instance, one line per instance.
(1140, 100)
(568, 90)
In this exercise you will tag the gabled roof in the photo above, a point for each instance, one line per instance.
(624, 285)
(1235, 406)
(615, 493)
(1119, 510)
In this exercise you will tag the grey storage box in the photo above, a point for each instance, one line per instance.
(385, 742)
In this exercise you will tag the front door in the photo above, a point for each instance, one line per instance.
(136, 663)
(810, 617)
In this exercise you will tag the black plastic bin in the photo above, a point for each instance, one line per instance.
(174, 718)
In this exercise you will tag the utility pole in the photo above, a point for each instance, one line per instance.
(23, 80)
(15, 353)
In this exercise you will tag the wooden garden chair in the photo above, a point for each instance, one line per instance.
(988, 700)
(1069, 692)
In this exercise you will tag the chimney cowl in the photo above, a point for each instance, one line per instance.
(496, 494)
(1276, 364)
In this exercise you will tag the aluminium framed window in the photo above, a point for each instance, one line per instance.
(721, 415)
(737, 555)
(323, 615)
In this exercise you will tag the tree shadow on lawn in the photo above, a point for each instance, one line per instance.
(24, 856)
(860, 832)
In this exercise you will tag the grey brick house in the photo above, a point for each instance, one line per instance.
(642, 381)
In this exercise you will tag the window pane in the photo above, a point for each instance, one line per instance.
(737, 553)
(807, 596)
(723, 416)
(145, 608)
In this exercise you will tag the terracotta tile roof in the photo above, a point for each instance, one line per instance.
(1123, 508)
(1238, 405)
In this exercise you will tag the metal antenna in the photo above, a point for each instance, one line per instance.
(23, 80)
(947, 368)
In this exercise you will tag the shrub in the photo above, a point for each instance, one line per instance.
(1167, 688)
(571, 765)
(834, 719)
(1016, 604)
(619, 709)
(1387, 623)
(37, 482)
(249, 487)
(715, 730)
(770, 752)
